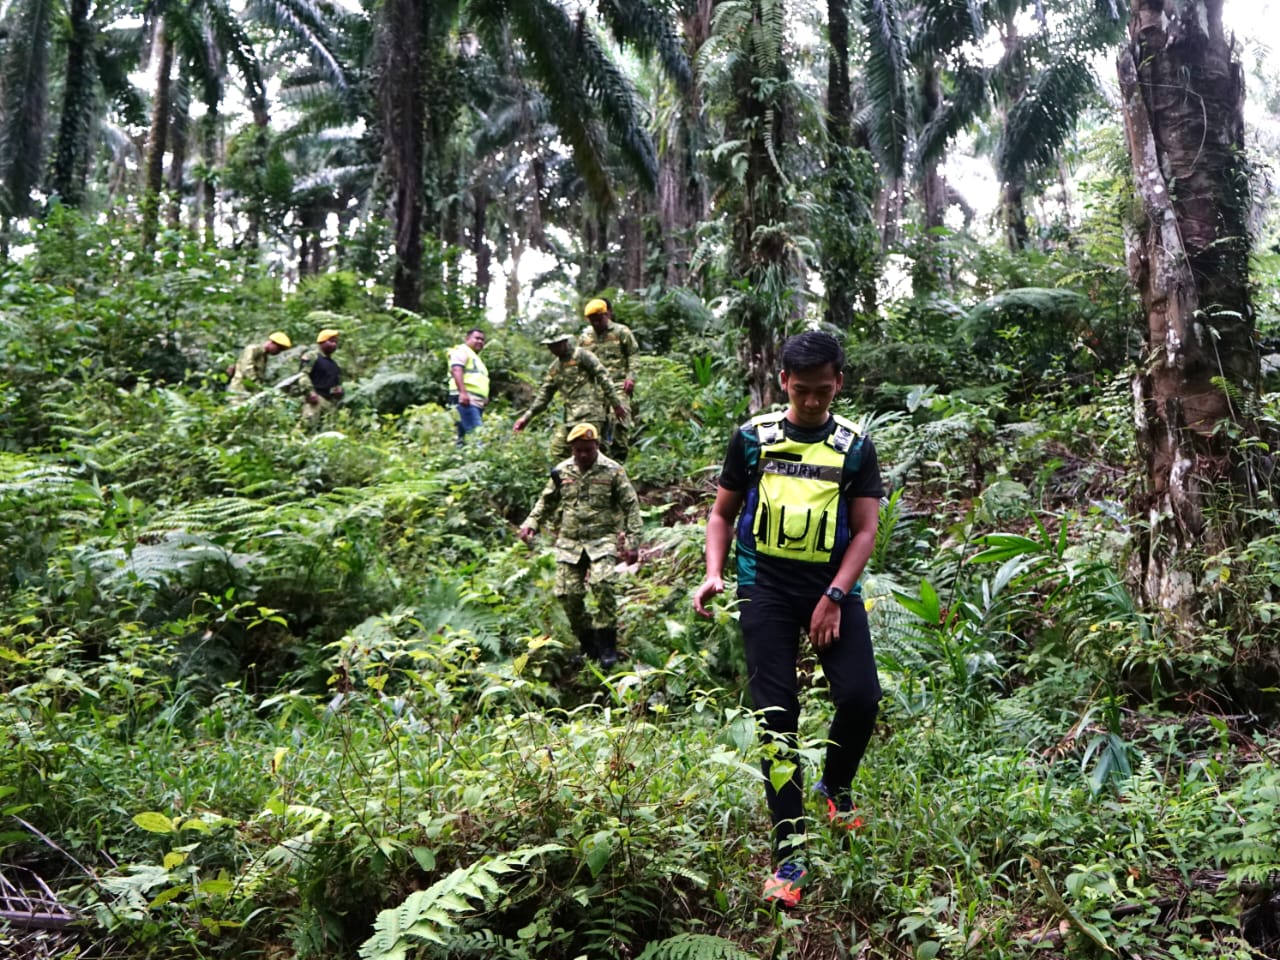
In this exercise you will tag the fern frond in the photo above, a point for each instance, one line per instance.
(428, 915)
(695, 946)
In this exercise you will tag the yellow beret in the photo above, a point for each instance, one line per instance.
(595, 306)
(583, 431)
(324, 335)
(281, 338)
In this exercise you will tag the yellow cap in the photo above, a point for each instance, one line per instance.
(595, 306)
(324, 335)
(583, 431)
(281, 338)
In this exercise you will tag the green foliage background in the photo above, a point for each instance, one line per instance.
(270, 692)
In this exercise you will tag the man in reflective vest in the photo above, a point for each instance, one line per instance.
(469, 389)
(801, 490)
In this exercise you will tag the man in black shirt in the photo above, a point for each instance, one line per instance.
(325, 378)
(803, 490)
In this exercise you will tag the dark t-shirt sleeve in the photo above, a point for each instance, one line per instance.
(865, 481)
(733, 474)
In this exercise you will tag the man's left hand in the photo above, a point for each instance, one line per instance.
(628, 386)
(824, 625)
(621, 413)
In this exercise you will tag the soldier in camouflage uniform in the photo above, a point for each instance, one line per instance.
(584, 385)
(596, 502)
(249, 372)
(615, 346)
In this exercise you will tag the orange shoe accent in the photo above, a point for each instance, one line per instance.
(786, 886)
(850, 820)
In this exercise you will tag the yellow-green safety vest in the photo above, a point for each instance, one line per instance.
(797, 512)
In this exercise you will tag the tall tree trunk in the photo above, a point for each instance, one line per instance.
(836, 276)
(71, 154)
(480, 245)
(1183, 96)
(1013, 210)
(765, 263)
(403, 115)
(179, 126)
(209, 160)
(682, 198)
(157, 140)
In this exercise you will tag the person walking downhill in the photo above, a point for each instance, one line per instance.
(249, 373)
(615, 345)
(323, 383)
(469, 386)
(585, 388)
(596, 504)
(801, 492)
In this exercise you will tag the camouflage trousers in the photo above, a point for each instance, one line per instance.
(573, 580)
(315, 415)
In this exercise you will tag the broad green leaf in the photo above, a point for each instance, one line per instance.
(780, 772)
(599, 849)
(154, 822)
(164, 896)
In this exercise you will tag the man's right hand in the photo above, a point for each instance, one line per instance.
(464, 398)
(710, 587)
(526, 534)
(519, 424)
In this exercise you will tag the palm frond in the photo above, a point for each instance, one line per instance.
(1040, 122)
(646, 28)
(886, 80)
(314, 27)
(967, 101)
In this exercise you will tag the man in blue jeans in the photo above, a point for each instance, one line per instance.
(801, 492)
(469, 390)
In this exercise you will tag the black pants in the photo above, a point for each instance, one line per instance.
(771, 625)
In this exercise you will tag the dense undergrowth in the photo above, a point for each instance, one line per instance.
(273, 693)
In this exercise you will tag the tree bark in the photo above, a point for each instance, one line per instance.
(157, 140)
(71, 155)
(1183, 95)
(403, 115)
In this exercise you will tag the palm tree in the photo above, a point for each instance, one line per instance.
(206, 38)
(765, 268)
(593, 105)
(1183, 96)
(24, 101)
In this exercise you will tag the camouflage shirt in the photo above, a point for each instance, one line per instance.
(584, 385)
(251, 369)
(594, 506)
(614, 349)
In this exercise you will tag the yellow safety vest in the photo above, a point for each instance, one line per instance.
(796, 510)
(475, 375)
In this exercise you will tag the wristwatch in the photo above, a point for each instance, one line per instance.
(835, 594)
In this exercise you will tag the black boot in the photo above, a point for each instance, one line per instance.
(608, 641)
(589, 644)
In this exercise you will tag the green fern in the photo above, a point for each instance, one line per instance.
(429, 915)
(695, 946)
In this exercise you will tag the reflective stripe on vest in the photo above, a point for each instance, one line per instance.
(797, 510)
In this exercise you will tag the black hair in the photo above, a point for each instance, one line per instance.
(810, 350)
(471, 331)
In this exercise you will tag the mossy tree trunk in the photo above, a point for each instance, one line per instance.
(1183, 92)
